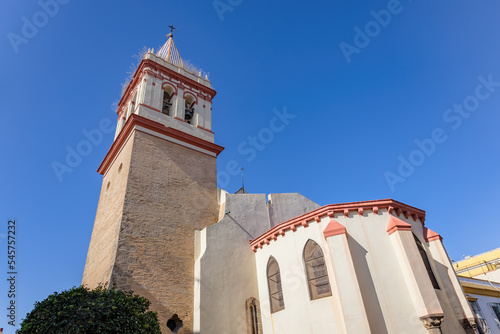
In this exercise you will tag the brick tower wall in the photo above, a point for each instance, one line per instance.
(104, 241)
(170, 192)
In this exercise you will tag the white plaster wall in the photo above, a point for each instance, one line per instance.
(225, 267)
(451, 295)
(301, 315)
(149, 90)
(385, 293)
(208, 116)
(228, 273)
(174, 123)
(493, 276)
(384, 290)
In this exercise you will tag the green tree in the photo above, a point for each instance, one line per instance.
(84, 311)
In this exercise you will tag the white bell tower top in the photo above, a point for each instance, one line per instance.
(169, 91)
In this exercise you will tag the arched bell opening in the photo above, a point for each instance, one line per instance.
(189, 108)
(168, 93)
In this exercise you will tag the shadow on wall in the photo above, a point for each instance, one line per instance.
(127, 283)
(251, 237)
(448, 292)
(368, 292)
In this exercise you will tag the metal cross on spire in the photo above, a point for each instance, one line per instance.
(172, 29)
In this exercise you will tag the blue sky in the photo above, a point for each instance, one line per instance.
(353, 119)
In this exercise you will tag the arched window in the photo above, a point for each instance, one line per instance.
(427, 264)
(189, 108)
(317, 274)
(274, 282)
(254, 322)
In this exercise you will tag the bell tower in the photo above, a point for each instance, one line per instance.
(159, 186)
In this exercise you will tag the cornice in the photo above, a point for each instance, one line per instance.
(345, 209)
(135, 121)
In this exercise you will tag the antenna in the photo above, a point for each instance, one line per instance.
(242, 180)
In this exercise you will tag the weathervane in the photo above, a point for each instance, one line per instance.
(172, 29)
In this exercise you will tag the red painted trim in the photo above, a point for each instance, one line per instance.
(334, 228)
(396, 224)
(136, 120)
(399, 211)
(430, 235)
(145, 68)
(177, 76)
(192, 94)
(168, 83)
(344, 209)
(179, 119)
(149, 107)
(124, 142)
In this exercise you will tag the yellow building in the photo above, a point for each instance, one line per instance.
(483, 266)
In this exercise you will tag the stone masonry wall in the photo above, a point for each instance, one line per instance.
(103, 244)
(171, 191)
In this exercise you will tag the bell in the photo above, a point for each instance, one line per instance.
(166, 108)
(189, 114)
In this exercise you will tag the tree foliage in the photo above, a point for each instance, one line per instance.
(84, 311)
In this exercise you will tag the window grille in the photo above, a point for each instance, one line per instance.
(274, 282)
(317, 274)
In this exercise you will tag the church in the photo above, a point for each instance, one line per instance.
(212, 262)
